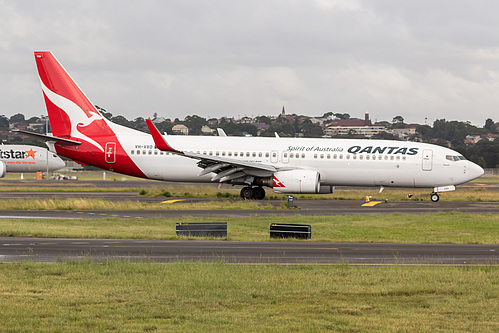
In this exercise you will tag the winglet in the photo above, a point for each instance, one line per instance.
(159, 141)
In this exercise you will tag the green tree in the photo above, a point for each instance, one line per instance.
(4, 123)
(195, 123)
(488, 124)
(17, 118)
(263, 119)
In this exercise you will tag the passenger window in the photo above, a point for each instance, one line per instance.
(291, 155)
(315, 155)
(260, 154)
(161, 152)
(247, 154)
(354, 157)
(223, 153)
(328, 156)
(150, 152)
(229, 153)
(254, 154)
(266, 154)
(155, 152)
(367, 157)
(303, 155)
(144, 152)
(235, 154)
(347, 157)
(217, 153)
(334, 156)
(391, 158)
(361, 157)
(131, 152)
(341, 156)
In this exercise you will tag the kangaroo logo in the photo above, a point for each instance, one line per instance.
(79, 119)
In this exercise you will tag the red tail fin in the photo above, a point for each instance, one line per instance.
(59, 90)
(71, 113)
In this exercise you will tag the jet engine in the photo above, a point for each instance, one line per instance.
(296, 181)
(3, 169)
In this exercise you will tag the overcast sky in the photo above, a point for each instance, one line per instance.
(418, 59)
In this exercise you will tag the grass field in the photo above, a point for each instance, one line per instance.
(203, 190)
(431, 228)
(195, 297)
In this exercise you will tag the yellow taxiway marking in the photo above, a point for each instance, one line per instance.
(172, 201)
(371, 203)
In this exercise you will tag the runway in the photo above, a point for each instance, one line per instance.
(305, 207)
(164, 251)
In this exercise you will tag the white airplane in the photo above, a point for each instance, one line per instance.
(287, 165)
(22, 158)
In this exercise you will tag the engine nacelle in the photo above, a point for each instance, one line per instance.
(3, 169)
(296, 181)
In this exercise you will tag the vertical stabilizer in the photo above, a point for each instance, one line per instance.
(71, 113)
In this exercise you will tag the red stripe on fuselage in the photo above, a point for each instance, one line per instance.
(87, 154)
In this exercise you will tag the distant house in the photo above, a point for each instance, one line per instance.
(407, 131)
(490, 136)
(180, 129)
(207, 130)
(354, 127)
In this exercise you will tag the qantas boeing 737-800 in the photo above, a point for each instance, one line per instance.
(287, 165)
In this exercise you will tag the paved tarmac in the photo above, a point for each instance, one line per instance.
(50, 250)
(305, 207)
(57, 249)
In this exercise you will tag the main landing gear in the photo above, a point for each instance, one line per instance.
(257, 193)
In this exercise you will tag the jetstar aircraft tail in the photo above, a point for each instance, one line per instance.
(74, 118)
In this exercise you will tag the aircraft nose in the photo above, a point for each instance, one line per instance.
(58, 163)
(474, 170)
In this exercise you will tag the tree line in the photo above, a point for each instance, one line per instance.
(450, 134)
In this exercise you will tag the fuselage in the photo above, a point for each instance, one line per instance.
(349, 162)
(24, 158)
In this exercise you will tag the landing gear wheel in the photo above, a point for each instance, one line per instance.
(246, 193)
(258, 193)
(434, 197)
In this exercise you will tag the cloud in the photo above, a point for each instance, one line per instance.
(229, 58)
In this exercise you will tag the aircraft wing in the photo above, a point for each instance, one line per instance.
(226, 169)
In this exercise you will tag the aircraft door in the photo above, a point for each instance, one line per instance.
(427, 159)
(274, 156)
(111, 152)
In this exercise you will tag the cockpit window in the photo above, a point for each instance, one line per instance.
(455, 158)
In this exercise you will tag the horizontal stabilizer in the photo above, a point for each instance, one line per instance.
(46, 138)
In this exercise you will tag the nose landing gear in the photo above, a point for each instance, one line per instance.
(434, 197)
